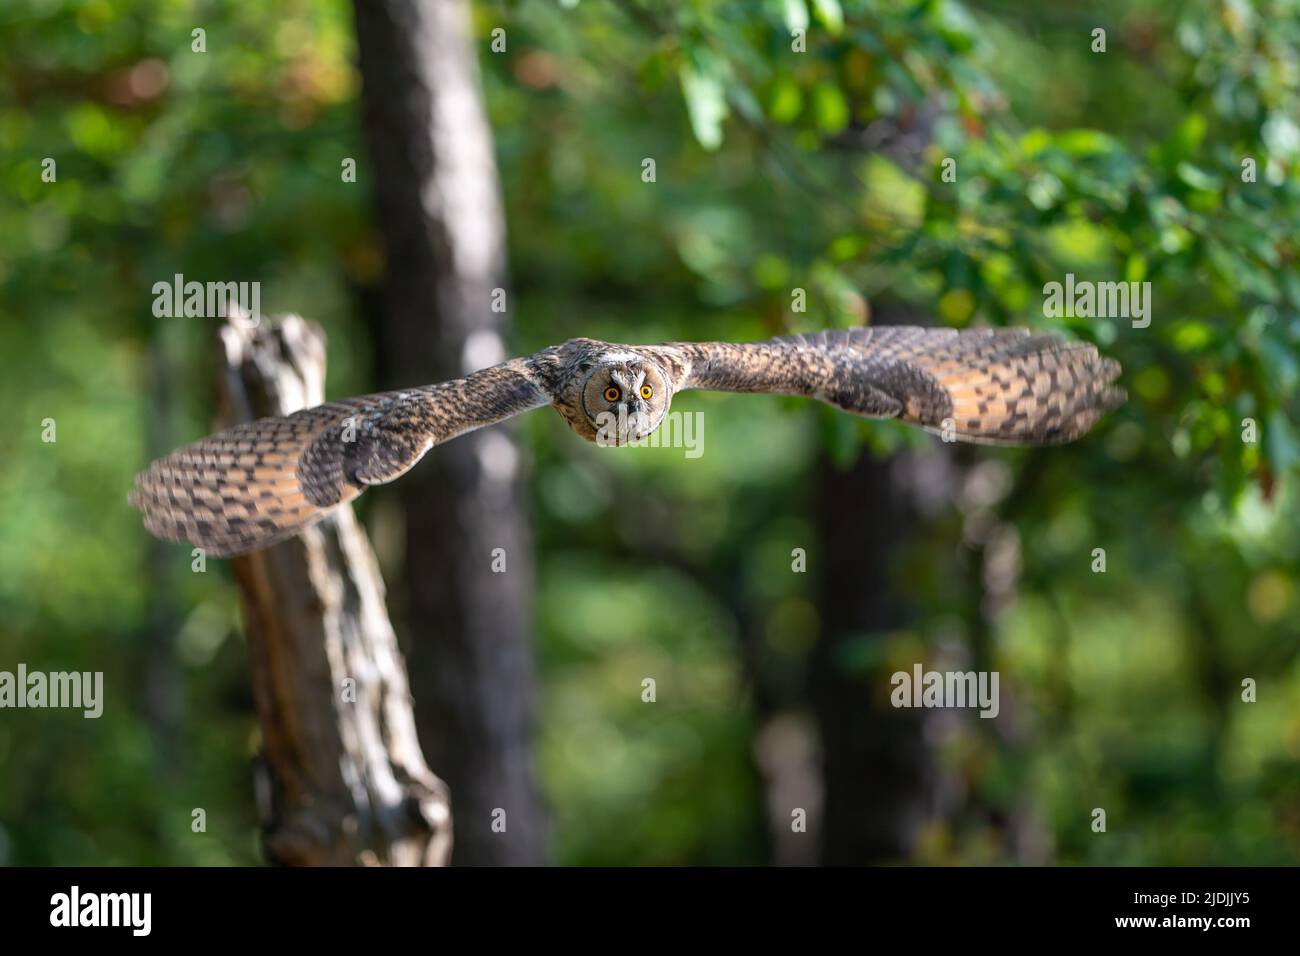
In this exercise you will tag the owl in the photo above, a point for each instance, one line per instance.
(258, 483)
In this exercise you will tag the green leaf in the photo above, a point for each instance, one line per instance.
(796, 15)
(785, 101)
(1196, 177)
(1189, 136)
(830, 14)
(1135, 269)
(830, 107)
(1085, 142)
(706, 100)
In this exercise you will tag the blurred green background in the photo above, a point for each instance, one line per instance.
(1120, 690)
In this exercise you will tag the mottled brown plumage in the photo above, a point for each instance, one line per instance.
(258, 483)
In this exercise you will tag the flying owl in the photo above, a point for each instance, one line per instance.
(261, 482)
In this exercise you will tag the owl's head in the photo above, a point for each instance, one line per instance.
(625, 398)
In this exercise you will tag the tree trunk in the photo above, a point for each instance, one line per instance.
(440, 214)
(881, 780)
(341, 777)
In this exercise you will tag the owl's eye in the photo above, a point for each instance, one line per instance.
(646, 392)
(613, 393)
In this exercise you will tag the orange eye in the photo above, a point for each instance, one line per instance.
(646, 392)
(613, 393)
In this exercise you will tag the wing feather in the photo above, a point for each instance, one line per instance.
(997, 386)
(261, 482)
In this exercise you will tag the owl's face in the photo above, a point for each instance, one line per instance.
(625, 399)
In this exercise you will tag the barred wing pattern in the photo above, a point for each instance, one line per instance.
(261, 482)
(995, 386)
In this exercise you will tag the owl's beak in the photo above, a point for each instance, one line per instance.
(638, 420)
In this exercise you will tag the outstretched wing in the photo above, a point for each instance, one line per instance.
(258, 483)
(999, 386)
